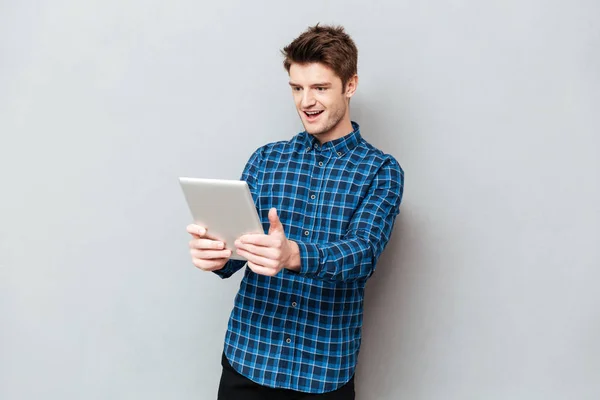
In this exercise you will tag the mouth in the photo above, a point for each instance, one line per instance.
(312, 116)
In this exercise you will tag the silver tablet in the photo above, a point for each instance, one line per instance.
(224, 207)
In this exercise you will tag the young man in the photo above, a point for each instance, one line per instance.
(329, 200)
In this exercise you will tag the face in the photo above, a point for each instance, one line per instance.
(322, 103)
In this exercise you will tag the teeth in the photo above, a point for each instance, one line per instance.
(312, 112)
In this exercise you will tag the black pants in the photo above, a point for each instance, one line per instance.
(235, 386)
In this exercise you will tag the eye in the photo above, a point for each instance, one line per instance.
(321, 89)
(296, 88)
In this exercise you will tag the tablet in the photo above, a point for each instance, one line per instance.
(224, 207)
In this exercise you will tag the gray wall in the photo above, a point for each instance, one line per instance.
(488, 289)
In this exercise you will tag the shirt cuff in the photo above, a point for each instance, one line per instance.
(309, 258)
(230, 268)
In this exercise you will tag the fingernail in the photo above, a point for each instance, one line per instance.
(221, 245)
(201, 231)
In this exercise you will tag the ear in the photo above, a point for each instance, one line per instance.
(351, 86)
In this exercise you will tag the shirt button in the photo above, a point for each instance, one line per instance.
(313, 197)
(339, 153)
(288, 340)
(305, 233)
(294, 304)
(308, 149)
(316, 146)
(320, 163)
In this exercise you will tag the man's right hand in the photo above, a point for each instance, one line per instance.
(208, 253)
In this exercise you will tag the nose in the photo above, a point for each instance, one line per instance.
(308, 100)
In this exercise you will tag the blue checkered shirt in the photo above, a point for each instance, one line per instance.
(338, 202)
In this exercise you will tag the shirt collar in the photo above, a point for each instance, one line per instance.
(339, 146)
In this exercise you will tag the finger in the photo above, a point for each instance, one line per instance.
(261, 240)
(209, 265)
(210, 254)
(258, 260)
(196, 230)
(263, 251)
(206, 244)
(275, 223)
(202, 232)
(260, 270)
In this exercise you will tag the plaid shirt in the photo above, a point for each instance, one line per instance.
(338, 201)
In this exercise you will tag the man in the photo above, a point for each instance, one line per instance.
(329, 200)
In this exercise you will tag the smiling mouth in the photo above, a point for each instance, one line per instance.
(313, 114)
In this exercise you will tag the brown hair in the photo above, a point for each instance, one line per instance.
(328, 45)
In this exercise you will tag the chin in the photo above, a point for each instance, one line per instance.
(310, 128)
(314, 130)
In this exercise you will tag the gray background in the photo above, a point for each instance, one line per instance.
(489, 286)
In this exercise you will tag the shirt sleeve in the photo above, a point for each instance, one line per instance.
(230, 268)
(250, 175)
(354, 256)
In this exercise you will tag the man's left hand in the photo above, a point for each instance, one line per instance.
(269, 254)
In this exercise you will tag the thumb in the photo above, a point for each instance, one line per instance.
(275, 222)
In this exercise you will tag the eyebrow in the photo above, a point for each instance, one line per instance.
(321, 84)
